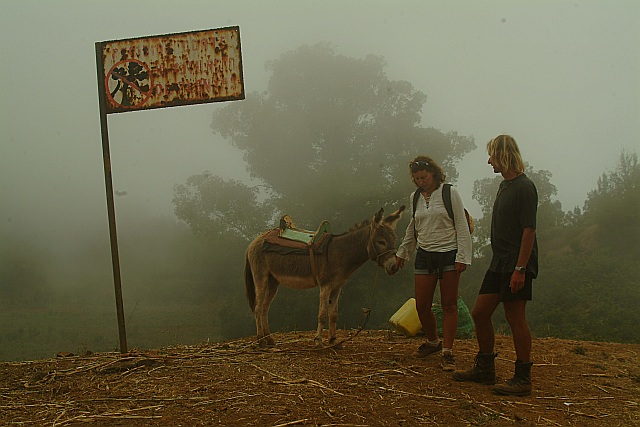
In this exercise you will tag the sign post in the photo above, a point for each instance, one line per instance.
(155, 72)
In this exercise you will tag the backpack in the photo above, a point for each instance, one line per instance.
(446, 198)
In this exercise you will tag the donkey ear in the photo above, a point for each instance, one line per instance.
(378, 216)
(393, 219)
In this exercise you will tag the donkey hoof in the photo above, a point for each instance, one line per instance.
(317, 342)
(333, 345)
(266, 342)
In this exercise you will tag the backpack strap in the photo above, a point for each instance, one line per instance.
(446, 198)
(416, 196)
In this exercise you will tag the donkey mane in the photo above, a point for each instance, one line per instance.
(355, 227)
(359, 226)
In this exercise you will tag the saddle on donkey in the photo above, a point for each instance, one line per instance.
(288, 239)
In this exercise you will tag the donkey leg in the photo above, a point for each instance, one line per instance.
(272, 290)
(322, 314)
(333, 316)
(260, 315)
(265, 293)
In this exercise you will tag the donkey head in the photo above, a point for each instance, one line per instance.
(382, 240)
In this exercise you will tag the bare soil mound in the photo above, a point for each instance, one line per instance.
(374, 381)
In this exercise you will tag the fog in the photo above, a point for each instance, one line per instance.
(562, 77)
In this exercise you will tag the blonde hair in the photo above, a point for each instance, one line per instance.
(505, 153)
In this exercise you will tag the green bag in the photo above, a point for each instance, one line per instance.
(465, 322)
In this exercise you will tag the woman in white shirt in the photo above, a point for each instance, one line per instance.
(443, 253)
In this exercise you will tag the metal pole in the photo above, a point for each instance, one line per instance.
(106, 157)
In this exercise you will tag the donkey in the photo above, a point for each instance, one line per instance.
(264, 271)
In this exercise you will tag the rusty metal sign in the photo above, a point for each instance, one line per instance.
(161, 71)
(170, 70)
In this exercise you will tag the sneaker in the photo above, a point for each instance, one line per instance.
(448, 362)
(426, 350)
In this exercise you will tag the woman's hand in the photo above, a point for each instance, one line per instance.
(460, 267)
(399, 262)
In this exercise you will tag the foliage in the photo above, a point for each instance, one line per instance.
(586, 297)
(614, 204)
(587, 288)
(620, 184)
(215, 208)
(331, 137)
(345, 133)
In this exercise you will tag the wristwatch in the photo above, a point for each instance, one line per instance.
(520, 269)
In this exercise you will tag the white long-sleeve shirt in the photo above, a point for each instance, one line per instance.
(436, 231)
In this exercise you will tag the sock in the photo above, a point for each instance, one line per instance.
(433, 343)
(447, 350)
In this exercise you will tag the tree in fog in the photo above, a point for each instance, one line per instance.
(215, 208)
(590, 267)
(614, 205)
(330, 138)
(583, 254)
(618, 189)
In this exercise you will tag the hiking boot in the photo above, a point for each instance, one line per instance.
(483, 371)
(448, 362)
(520, 384)
(426, 349)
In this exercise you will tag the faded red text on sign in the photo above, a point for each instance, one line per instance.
(170, 70)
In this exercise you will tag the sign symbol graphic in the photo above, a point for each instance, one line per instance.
(128, 83)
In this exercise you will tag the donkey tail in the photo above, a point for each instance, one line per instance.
(249, 286)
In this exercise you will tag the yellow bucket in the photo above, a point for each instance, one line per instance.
(406, 320)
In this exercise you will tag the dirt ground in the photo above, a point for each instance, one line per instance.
(374, 381)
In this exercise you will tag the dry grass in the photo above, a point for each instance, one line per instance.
(374, 381)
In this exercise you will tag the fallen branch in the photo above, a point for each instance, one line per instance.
(418, 395)
(305, 381)
(292, 423)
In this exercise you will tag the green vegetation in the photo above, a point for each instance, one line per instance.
(329, 139)
(588, 285)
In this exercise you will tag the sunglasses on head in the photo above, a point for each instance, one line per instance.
(418, 165)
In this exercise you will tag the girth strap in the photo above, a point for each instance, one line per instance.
(313, 266)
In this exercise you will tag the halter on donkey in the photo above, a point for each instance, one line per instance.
(342, 255)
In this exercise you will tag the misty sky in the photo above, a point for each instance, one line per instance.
(563, 77)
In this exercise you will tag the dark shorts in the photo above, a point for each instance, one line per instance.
(499, 283)
(435, 262)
